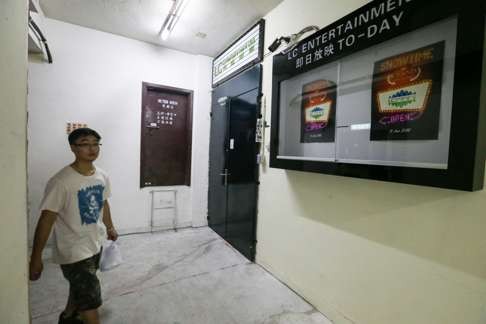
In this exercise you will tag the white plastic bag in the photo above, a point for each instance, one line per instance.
(110, 256)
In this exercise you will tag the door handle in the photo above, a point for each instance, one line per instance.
(225, 174)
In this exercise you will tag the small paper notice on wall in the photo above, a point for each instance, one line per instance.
(259, 131)
(71, 126)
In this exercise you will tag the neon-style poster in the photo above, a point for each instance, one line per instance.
(406, 95)
(318, 112)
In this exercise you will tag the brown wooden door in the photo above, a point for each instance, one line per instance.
(166, 136)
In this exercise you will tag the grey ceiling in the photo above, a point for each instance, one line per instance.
(220, 20)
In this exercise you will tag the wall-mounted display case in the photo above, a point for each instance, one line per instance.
(389, 92)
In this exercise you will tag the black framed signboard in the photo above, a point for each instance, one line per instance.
(244, 52)
(389, 92)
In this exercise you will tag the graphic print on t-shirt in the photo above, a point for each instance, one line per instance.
(90, 201)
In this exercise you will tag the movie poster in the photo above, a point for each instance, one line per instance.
(406, 94)
(318, 112)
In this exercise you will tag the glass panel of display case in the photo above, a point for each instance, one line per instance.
(389, 104)
(308, 115)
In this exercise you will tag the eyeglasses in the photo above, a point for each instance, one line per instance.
(88, 145)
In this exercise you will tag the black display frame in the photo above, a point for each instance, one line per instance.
(467, 146)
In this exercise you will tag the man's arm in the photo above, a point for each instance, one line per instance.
(42, 232)
(110, 229)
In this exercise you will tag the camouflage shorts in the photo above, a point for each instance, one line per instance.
(84, 286)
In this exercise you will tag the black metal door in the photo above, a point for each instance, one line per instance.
(242, 174)
(217, 166)
(233, 171)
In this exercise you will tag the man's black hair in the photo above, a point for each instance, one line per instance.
(82, 132)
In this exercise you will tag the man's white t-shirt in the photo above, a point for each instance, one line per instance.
(78, 200)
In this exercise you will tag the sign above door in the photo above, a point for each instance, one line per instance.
(243, 53)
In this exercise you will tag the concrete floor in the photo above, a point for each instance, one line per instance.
(187, 277)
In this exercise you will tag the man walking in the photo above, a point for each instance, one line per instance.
(75, 203)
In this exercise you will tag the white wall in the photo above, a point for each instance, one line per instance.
(96, 78)
(364, 251)
(200, 140)
(13, 190)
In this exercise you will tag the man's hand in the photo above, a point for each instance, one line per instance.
(111, 234)
(35, 269)
(42, 231)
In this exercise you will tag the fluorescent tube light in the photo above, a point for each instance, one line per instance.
(164, 35)
(172, 18)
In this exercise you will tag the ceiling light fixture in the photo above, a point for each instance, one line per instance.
(172, 18)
